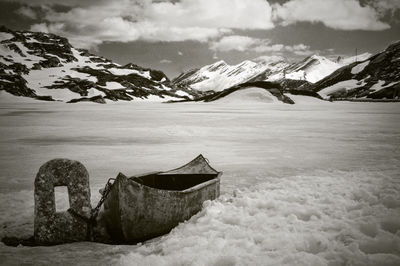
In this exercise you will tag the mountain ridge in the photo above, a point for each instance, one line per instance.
(220, 75)
(377, 77)
(47, 67)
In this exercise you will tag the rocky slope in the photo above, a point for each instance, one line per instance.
(375, 78)
(47, 67)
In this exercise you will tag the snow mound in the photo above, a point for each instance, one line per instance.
(250, 95)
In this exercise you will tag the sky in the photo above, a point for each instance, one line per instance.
(178, 35)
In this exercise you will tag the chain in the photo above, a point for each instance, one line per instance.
(91, 221)
(104, 195)
(95, 212)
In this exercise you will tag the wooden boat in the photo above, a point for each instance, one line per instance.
(146, 206)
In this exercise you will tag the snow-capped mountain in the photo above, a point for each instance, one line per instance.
(220, 75)
(377, 77)
(314, 68)
(46, 66)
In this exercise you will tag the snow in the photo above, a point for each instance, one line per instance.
(122, 71)
(360, 67)
(219, 76)
(183, 93)
(165, 87)
(5, 36)
(95, 92)
(64, 95)
(342, 85)
(316, 71)
(155, 98)
(113, 85)
(379, 85)
(62, 60)
(249, 95)
(28, 60)
(302, 185)
(274, 224)
(83, 61)
(8, 98)
(45, 77)
(301, 99)
(37, 79)
(358, 58)
(128, 71)
(146, 74)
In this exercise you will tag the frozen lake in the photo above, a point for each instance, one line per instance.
(316, 183)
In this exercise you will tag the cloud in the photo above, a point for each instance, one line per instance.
(246, 43)
(165, 61)
(72, 3)
(88, 25)
(239, 14)
(385, 8)
(385, 5)
(233, 43)
(336, 14)
(27, 11)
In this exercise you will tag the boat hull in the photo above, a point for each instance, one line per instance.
(134, 212)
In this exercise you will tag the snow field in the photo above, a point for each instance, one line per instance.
(316, 72)
(301, 99)
(379, 85)
(303, 184)
(340, 219)
(122, 72)
(5, 36)
(342, 85)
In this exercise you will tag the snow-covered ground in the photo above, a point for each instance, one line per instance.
(303, 184)
(342, 85)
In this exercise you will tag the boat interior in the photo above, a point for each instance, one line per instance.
(173, 181)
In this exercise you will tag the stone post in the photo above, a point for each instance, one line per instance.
(51, 227)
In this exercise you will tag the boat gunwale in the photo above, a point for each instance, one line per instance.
(186, 191)
(201, 185)
(200, 155)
